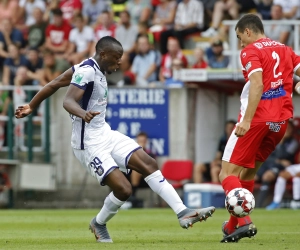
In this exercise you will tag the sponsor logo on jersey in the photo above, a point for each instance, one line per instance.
(276, 84)
(266, 44)
(78, 77)
(275, 126)
(248, 66)
(258, 45)
(244, 54)
(273, 93)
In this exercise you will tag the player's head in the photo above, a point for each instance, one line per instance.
(249, 29)
(108, 54)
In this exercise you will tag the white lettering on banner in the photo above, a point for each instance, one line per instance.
(135, 128)
(136, 96)
(135, 113)
(123, 128)
(158, 145)
(190, 75)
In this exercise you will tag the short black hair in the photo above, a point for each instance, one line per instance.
(252, 22)
(106, 42)
(57, 12)
(142, 134)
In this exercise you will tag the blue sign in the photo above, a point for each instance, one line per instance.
(131, 111)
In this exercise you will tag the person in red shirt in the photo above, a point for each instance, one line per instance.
(70, 8)
(174, 51)
(200, 63)
(266, 107)
(57, 34)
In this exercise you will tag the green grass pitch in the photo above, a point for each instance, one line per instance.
(141, 229)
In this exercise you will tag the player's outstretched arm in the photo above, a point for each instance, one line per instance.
(74, 94)
(49, 89)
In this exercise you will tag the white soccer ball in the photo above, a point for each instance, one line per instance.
(240, 202)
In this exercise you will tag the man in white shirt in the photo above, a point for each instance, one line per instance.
(189, 19)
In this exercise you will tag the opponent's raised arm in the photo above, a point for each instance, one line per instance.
(49, 89)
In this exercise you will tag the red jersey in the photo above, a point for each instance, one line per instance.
(278, 63)
(58, 34)
(101, 31)
(166, 63)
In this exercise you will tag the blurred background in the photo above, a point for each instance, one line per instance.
(177, 93)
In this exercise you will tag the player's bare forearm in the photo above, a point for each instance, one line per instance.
(255, 93)
(70, 104)
(49, 89)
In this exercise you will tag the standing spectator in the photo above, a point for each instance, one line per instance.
(140, 10)
(144, 63)
(209, 171)
(81, 41)
(200, 63)
(5, 187)
(233, 7)
(34, 66)
(92, 9)
(11, 64)
(70, 9)
(36, 32)
(8, 35)
(277, 32)
(57, 34)
(52, 67)
(126, 32)
(216, 59)
(282, 157)
(174, 51)
(189, 19)
(290, 8)
(4, 104)
(8, 10)
(26, 9)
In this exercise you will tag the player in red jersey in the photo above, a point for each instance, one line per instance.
(266, 106)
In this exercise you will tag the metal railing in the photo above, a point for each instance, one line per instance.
(234, 51)
(20, 132)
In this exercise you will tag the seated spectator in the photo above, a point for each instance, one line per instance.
(11, 64)
(263, 8)
(126, 32)
(209, 172)
(105, 27)
(232, 7)
(36, 32)
(118, 6)
(140, 10)
(26, 8)
(275, 32)
(216, 59)
(144, 64)
(174, 51)
(143, 29)
(137, 179)
(188, 20)
(81, 41)
(57, 34)
(92, 9)
(8, 10)
(289, 172)
(70, 9)
(290, 8)
(5, 187)
(163, 17)
(280, 159)
(177, 64)
(53, 67)
(200, 63)
(34, 66)
(8, 35)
